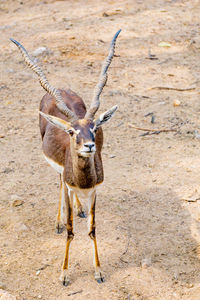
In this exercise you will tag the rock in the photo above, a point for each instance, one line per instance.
(2, 286)
(16, 200)
(7, 170)
(195, 43)
(15, 197)
(17, 203)
(10, 70)
(20, 227)
(189, 285)
(176, 103)
(40, 51)
(146, 262)
(4, 295)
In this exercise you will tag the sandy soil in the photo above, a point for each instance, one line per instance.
(148, 210)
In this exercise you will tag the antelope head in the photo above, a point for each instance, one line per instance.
(82, 132)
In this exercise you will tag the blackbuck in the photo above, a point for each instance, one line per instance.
(72, 141)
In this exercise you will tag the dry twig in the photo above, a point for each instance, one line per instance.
(152, 130)
(74, 293)
(173, 88)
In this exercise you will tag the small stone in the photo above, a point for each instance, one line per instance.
(164, 44)
(39, 297)
(4, 295)
(112, 156)
(20, 227)
(10, 71)
(190, 285)
(17, 203)
(90, 64)
(146, 262)
(38, 272)
(15, 197)
(176, 103)
(196, 134)
(2, 286)
(68, 26)
(40, 51)
(7, 170)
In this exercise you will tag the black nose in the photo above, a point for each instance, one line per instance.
(89, 145)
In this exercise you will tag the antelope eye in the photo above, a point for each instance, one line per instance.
(71, 132)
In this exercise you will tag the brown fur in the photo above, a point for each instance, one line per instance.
(82, 172)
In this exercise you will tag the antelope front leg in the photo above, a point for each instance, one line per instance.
(92, 235)
(70, 235)
(60, 215)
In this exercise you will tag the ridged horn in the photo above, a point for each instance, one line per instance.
(44, 82)
(102, 79)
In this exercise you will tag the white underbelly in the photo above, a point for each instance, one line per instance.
(82, 194)
(54, 165)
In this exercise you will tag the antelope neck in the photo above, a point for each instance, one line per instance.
(84, 171)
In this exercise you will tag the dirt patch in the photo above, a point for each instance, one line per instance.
(148, 208)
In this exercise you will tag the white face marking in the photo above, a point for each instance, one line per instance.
(93, 129)
(54, 165)
(88, 149)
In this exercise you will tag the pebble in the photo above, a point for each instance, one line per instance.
(10, 70)
(7, 170)
(176, 103)
(15, 197)
(17, 203)
(40, 51)
(4, 295)
(2, 286)
(190, 285)
(146, 262)
(20, 227)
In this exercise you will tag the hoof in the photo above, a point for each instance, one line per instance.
(64, 278)
(59, 228)
(99, 278)
(65, 281)
(81, 214)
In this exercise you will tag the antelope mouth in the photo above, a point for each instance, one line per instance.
(87, 153)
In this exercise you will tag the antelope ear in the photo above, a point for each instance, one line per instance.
(104, 117)
(57, 122)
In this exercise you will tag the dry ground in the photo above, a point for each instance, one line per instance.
(148, 210)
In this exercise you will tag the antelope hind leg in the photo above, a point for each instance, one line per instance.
(79, 208)
(60, 216)
(92, 235)
(64, 277)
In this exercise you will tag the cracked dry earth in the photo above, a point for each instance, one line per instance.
(148, 208)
